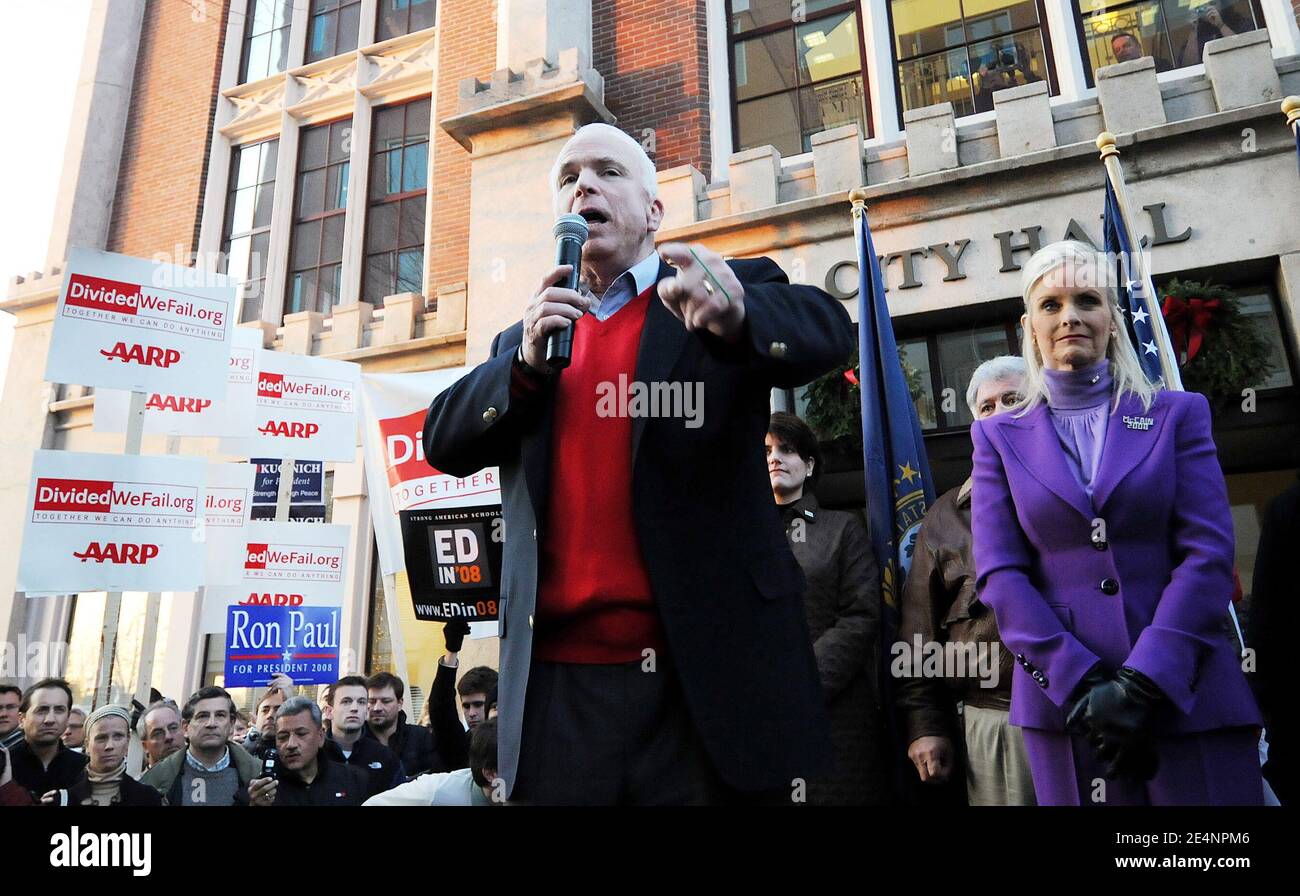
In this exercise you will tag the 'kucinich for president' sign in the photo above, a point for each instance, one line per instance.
(140, 326)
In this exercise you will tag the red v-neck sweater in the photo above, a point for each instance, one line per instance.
(594, 603)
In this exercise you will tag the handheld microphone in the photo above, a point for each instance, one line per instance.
(570, 234)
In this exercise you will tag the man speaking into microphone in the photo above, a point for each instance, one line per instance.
(654, 648)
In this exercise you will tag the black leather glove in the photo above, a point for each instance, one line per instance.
(1118, 717)
(455, 632)
(1077, 703)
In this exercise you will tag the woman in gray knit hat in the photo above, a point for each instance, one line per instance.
(104, 782)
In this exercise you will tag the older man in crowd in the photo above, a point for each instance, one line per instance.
(940, 607)
(161, 732)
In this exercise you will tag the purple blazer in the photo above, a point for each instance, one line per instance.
(1150, 590)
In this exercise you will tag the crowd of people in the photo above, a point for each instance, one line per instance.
(355, 747)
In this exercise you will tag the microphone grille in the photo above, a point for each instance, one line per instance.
(571, 226)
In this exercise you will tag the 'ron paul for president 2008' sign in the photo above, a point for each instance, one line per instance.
(301, 642)
(453, 561)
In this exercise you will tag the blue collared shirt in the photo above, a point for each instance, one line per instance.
(629, 284)
(222, 764)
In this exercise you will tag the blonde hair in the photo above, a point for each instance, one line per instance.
(1085, 266)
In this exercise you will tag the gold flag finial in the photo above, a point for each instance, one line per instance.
(1106, 143)
(1291, 109)
(858, 196)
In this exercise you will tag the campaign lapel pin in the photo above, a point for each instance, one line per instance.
(1141, 424)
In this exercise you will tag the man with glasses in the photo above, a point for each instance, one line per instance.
(212, 771)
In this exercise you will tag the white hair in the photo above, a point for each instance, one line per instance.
(1003, 367)
(644, 168)
(1082, 265)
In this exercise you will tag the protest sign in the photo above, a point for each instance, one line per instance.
(304, 407)
(107, 522)
(126, 323)
(171, 413)
(301, 642)
(307, 498)
(281, 565)
(445, 532)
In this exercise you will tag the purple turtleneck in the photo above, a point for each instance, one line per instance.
(1079, 401)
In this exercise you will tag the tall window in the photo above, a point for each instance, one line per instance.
(962, 51)
(266, 38)
(334, 27)
(939, 365)
(320, 201)
(792, 79)
(1172, 32)
(398, 17)
(399, 167)
(246, 236)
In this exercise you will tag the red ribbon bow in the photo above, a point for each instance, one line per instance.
(1187, 321)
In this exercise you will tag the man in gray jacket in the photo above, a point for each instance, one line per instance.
(211, 771)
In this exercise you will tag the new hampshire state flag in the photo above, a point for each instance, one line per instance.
(899, 488)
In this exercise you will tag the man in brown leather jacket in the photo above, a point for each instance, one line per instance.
(943, 619)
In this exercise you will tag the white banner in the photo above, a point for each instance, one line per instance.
(110, 522)
(226, 516)
(305, 407)
(126, 323)
(183, 415)
(282, 564)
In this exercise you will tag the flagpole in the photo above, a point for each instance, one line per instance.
(1291, 109)
(1115, 171)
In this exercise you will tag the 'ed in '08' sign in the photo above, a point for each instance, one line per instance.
(125, 323)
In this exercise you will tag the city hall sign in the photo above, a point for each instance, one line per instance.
(1014, 246)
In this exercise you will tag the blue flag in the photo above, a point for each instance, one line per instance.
(1133, 287)
(899, 488)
